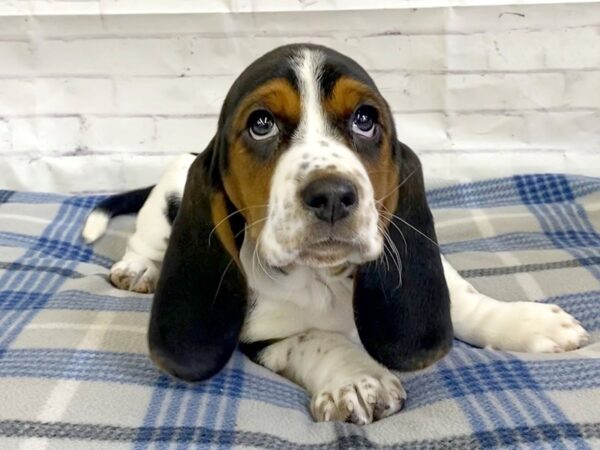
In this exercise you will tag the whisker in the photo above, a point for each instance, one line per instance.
(253, 260)
(263, 267)
(396, 259)
(256, 222)
(397, 227)
(221, 280)
(395, 256)
(230, 215)
(400, 184)
(413, 227)
(386, 237)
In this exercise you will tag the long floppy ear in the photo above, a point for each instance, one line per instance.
(403, 319)
(200, 300)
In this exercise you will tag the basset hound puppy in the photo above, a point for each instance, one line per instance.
(303, 235)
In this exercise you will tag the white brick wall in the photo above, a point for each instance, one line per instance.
(92, 102)
(46, 135)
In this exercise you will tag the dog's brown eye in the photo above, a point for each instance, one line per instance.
(364, 121)
(261, 125)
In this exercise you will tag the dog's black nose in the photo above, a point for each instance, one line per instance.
(330, 198)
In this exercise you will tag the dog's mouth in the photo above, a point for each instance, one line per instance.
(327, 252)
(329, 243)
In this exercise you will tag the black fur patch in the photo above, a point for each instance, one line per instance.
(173, 205)
(200, 300)
(404, 320)
(129, 202)
(253, 349)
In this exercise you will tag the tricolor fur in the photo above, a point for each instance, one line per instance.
(303, 233)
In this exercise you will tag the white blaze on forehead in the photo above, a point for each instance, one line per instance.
(308, 65)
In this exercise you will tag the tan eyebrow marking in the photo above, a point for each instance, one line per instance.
(276, 95)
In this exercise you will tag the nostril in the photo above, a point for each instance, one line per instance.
(317, 201)
(348, 199)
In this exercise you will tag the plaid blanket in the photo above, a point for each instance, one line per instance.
(74, 371)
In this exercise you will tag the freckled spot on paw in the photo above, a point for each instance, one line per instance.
(335, 155)
(302, 338)
(289, 354)
(331, 167)
(324, 143)
(318, 349)
(304, 166)
(555, 309)
(305, 155)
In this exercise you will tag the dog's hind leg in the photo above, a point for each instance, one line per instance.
(138, 270)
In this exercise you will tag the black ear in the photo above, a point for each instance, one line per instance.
(404, 319)
(200, 300)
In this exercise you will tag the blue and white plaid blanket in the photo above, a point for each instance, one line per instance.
(74, 371)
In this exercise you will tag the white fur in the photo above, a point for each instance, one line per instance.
(517, 326)
(310, 307)
(95, 226)
(345, 382)
(314, 148)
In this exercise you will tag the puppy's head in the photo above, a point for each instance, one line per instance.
(308, 157)
(305, 164)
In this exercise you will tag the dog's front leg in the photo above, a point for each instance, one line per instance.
(510, 326)
(345, 383)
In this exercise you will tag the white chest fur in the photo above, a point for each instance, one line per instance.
(299, 299)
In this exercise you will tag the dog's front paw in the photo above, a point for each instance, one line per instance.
(538, 328)
(138, 275)
(359, 399)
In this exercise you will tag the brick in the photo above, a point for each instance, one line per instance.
(82, 172)
(55, 96)
(45, 134)
(118, 134)
(583, 89)
(5, 142)
(184, 135)
(505, 91)
(423, 131)
(199, 96)
(17, 58)
(484, 91)
(575, 130)
(569, 130)
(525, 50)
